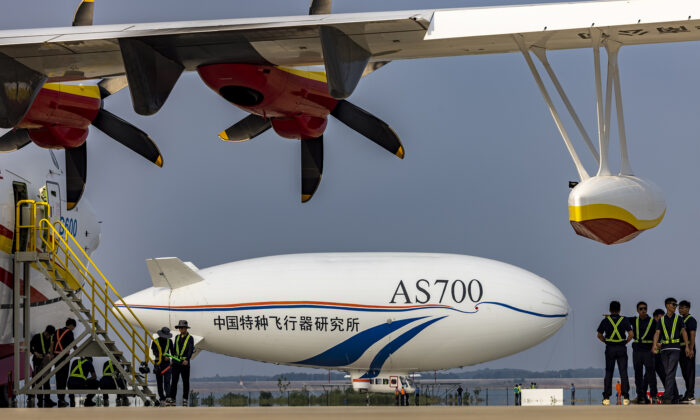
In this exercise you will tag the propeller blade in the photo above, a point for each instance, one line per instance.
(84, 12)
(246, 129)
(111, 85)
(76, 174)
(128, 135)
(320, 7)
(14, 140)
(369, 126)
(311, 166)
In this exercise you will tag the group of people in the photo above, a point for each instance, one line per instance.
(517, 392)
(662, 342)
(76, 375)
(172, 361)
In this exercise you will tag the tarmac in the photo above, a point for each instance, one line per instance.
(338, 413)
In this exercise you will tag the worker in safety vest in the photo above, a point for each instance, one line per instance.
(41, 348)
(670, 330)
(111, 379)
(642, 356)
(161, 347)
(658, 366)
(611, 331)
(82, 376)
(64, 338)
(688, 363)
(403, 396)
(184, 347)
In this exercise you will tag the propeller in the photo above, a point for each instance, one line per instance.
(351, 115)
(14, 139)
(84, 12)
(76, 174)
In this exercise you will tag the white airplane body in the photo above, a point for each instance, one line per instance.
(378, 316)
(23, 177)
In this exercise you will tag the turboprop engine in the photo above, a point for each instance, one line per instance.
(615, 208)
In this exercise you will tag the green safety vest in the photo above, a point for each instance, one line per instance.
(615, 337)
(180, 351)
(109, 369)
(686, 320)
(77, 371)
(641, 339)
(43, 347)
(670, 340)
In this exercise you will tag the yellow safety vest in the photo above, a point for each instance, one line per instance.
(686, 320)
(109, 369)
(77, 371)
(615, 337)
(670, 340)
(180, 351)
(641, 339)
(160, 350)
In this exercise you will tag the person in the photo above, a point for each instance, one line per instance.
(112, 380)
(82, 376)
(417, 395)
(610, 332)
(459, 394)
(669, 331)
(184, 347)
(41, 347)
(688, 363)
(403, 396)
(396, 394)
(161, 347)
(520, 394)
(658, 366)
(515, 394)
(64, 338)
(618, 392)
(573, 394)
(642, 357)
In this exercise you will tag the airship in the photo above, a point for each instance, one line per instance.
(377, 316)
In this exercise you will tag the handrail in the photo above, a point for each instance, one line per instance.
(43, 232)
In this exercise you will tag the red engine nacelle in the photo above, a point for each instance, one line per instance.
(61, 114)
(297, 101)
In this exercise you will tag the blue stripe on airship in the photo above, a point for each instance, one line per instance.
(351, 349)
(523, 310)
(376, 366)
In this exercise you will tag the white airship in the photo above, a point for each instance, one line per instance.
(378, 316)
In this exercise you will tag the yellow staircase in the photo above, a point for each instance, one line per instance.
(50, 248)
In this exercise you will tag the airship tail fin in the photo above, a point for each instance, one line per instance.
(171, 272)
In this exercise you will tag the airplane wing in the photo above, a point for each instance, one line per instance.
(90, 52)
(153, 55)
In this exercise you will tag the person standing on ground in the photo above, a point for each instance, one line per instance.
(573, 394)
(669, 331)
(82, 376)
(417, 394)
(162, 348)
(396, 394)
(41, 347)
(515, 394)
(459, 394)
(642, 356)
(688, 363)
(184, 347)
(111, 379)
(658, 366)
(610, 332)
(64, 338)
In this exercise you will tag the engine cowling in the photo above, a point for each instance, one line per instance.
(615, 209)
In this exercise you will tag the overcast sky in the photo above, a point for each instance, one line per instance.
(485, 174)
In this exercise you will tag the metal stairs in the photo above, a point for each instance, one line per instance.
(50, 249)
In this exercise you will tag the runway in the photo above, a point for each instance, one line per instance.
(336, 413)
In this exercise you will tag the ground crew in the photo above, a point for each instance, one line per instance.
(161, 367)
(670, 330)
(515, 394)
(82, 376)
(41, 348)
(573, 394)
(184, 347)
(396, 394)
(417, 394)
(64, 338)
(111, 379)
(658, 366)
(688, 363)
(642, 356)
(403, 396)
(610, 332)
(459, 395)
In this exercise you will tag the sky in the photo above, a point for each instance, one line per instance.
(485, 174)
